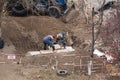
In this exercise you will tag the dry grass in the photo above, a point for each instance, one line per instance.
(51, 75)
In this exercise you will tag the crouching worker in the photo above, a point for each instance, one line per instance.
(48, 41)
(61, 38)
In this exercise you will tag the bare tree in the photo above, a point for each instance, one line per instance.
(110, 32)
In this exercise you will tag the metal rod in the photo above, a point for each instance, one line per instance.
(93, 40)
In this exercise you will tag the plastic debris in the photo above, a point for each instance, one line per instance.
(100, 54)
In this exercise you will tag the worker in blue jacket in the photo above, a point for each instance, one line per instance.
(48, 41)
(63, 3)
(61, 37)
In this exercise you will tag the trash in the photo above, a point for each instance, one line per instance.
(100, 54)
(62, 72)
(11, 56)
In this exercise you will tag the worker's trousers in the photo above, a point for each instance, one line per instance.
(48, 43)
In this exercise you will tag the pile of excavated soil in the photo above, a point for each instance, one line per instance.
(26, 33)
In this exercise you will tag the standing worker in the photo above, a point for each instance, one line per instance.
(61, 37)
(1, 43)
(48, 41)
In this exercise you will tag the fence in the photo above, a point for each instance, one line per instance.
(72, 63)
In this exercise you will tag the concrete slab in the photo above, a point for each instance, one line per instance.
(60, 50)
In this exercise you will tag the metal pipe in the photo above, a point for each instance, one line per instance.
(93, 40)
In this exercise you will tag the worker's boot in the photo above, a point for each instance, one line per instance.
(53, 48)
(64, 47)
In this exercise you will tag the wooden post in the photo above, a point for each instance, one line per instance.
(80, 63)
(90, 67)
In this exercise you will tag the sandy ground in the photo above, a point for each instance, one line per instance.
(22, 34)
(9, 72)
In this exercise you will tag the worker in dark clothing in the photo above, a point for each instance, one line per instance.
(61, 37)
(48, 41)
(1, 43)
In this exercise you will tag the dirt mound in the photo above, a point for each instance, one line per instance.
(27, 32)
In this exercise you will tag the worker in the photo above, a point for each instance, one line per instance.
(63, 3)
(48, 41)
(37, 1)
(1, 43)
(61, 37)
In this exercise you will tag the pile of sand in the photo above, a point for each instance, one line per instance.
(26, 33)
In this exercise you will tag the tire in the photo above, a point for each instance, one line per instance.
(54, 12)
(19, 9)
(62, 73)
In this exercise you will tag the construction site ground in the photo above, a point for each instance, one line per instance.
(22, 34)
